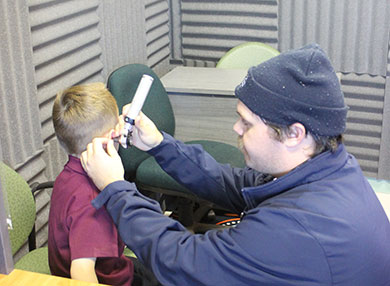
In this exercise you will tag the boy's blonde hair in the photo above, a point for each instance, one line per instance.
(81, 113)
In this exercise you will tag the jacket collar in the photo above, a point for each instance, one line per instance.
(312, 170)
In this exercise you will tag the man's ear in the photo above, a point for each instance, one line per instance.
(296, 133)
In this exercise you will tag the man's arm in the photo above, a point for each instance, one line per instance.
(84, 269)
(188, 164)
(194, 168)
(263, 249)
(200, 173)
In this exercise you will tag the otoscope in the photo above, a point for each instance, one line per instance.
(136, 106)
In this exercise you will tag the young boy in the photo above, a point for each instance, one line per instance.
(83, 242)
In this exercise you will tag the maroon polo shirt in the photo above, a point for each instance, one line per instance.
(78, 230)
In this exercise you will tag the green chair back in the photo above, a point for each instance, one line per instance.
(23, 213)
(123, 84)
(21, 205)
(247, 55)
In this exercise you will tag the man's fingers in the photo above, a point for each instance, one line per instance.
(125, 109)
(111, 150)
(83, 159)
(89, 149)
(98, 143)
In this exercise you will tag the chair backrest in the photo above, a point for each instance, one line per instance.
(247, 55)
(123, 84)
(21, 206)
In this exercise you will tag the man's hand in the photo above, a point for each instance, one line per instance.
(145, 133)
(102, 162)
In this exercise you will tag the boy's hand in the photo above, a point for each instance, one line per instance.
(84, 269)
(102, 162)
(145, 133)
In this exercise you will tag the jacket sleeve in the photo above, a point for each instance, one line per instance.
(252, 253)
(201, 174)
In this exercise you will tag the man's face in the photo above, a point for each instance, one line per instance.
(262, 152)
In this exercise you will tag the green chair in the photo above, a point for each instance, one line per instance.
(21, 203)
(123, 83)
(142, 168)
(247, 55)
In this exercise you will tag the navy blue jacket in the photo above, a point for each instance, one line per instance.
(321, 224)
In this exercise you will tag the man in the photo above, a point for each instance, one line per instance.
(309, 215)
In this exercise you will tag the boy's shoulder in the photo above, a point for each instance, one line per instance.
(73, 183)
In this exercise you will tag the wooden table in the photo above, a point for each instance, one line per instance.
(25, 278)
(203, 102)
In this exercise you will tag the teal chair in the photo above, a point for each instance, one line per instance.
(142, 168)
(123, 83)
(21, 203)
(247, 55)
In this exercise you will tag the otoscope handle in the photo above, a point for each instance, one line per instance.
(136, 106)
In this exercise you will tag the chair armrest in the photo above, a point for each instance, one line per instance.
(35, 188)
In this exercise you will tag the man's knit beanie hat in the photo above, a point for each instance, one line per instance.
(296, 86)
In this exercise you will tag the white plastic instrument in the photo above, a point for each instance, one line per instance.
(136, 106)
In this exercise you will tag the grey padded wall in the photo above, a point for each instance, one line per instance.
(123, 38)
(353, 32)
(364, 94)
(157, 35)
(212, 27)
(134, 32)
(176, 55)
(20, 128)
(384, 160)
(21, 141)
(66, 51)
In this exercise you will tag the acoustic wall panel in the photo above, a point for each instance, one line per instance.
(66, 51)
(384, 159)
(20, 129)
(353, 33)
(122, 28)
(364, 94)
(211, 28)
(157, 35)
(176, 56)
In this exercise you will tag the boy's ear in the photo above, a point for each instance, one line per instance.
(297, 133)
(108, 134)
